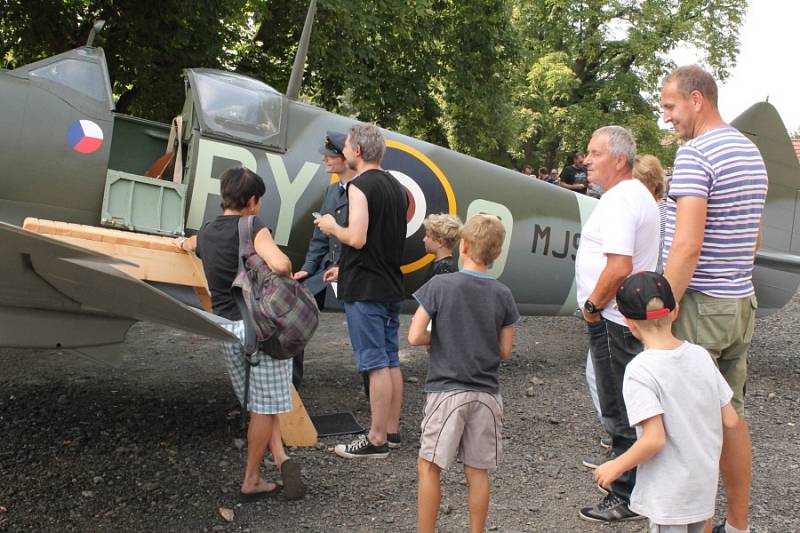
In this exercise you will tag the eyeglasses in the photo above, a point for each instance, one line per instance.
(332, 147)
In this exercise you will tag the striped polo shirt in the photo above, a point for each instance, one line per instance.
(725, 168)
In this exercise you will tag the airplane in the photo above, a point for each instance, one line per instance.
(66, 156)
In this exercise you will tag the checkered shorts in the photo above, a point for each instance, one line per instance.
(270, 379)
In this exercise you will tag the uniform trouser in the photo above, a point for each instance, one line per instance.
(613, 347)
(297, 360)
(297, 370)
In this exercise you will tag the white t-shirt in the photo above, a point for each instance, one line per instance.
(625, 222)
(678, 485)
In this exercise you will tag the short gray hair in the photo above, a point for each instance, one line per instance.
(620, 142)
(370, 139)
(690, 78)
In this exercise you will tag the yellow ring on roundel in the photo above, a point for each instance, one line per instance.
(448, 190)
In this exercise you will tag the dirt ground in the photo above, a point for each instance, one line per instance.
(154, 444)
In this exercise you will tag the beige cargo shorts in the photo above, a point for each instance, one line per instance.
(462, 424)
(724, 327)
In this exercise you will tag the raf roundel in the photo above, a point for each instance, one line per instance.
(428, 192)
(85, 136)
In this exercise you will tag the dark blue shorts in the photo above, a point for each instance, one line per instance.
(373, 333)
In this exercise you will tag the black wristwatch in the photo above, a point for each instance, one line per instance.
(590, 307)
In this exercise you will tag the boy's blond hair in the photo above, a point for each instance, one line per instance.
(655, 324)
(485, 235)
(444, 228)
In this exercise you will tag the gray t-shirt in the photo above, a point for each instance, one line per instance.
(679, 484)
(467, 309)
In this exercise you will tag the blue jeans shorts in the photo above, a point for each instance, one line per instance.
(373, 333)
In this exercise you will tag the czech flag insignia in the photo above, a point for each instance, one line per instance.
(85, 136)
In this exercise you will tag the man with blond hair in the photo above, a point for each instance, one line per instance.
(713, 230)
(620, 237)
(371, 284)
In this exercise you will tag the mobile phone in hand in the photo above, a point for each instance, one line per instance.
(316, 215)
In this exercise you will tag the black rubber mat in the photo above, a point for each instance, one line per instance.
(336, 424)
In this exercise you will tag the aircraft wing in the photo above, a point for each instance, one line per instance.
(785, 261)
(55, 295)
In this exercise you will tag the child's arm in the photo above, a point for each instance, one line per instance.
(729, 416)
(506, 339)
(650, 443)
(418, 334)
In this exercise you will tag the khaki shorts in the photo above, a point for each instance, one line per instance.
(463, 424)
(724, 327)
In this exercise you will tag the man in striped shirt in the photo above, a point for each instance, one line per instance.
(713, 230)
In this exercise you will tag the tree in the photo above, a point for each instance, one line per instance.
(147, 44)
(592, 63)
(503, 80)
(434, 69)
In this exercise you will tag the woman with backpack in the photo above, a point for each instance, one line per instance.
(217, 244)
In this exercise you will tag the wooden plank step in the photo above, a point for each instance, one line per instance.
(157, 259)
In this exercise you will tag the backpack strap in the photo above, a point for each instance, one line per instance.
(247, 246)
(246, 249)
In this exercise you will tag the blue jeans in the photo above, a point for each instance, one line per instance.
(613, 347)
(373, 330)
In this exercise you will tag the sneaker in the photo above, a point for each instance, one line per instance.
(593, 461)
(605, 442)
(720, 528)
(611, 509)
(600, 489)
(394, 440)
(361, 448)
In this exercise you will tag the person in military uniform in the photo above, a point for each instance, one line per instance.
(324, 251)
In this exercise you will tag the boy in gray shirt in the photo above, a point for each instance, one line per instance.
(473, 316)
(678, 401)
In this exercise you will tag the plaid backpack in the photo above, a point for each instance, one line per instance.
(279, 314)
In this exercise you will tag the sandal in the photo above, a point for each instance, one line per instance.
(249, 497)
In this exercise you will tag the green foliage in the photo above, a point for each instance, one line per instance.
(147, 44)
(594, 63)
(510, 81)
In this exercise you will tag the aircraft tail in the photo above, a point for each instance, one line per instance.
(777, 272)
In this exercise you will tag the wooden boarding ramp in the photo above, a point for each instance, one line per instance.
(157, 259)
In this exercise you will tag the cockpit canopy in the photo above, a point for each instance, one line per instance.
(235, 106)
(82, 70)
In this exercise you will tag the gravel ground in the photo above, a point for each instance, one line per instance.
(154, 444)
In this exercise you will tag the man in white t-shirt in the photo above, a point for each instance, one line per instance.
(620, 237)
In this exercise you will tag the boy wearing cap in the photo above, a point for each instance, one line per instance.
(678, 402)
(463, 410)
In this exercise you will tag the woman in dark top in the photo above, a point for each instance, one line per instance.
(217, 244)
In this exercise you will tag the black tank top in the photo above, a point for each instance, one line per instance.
(373, 272)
